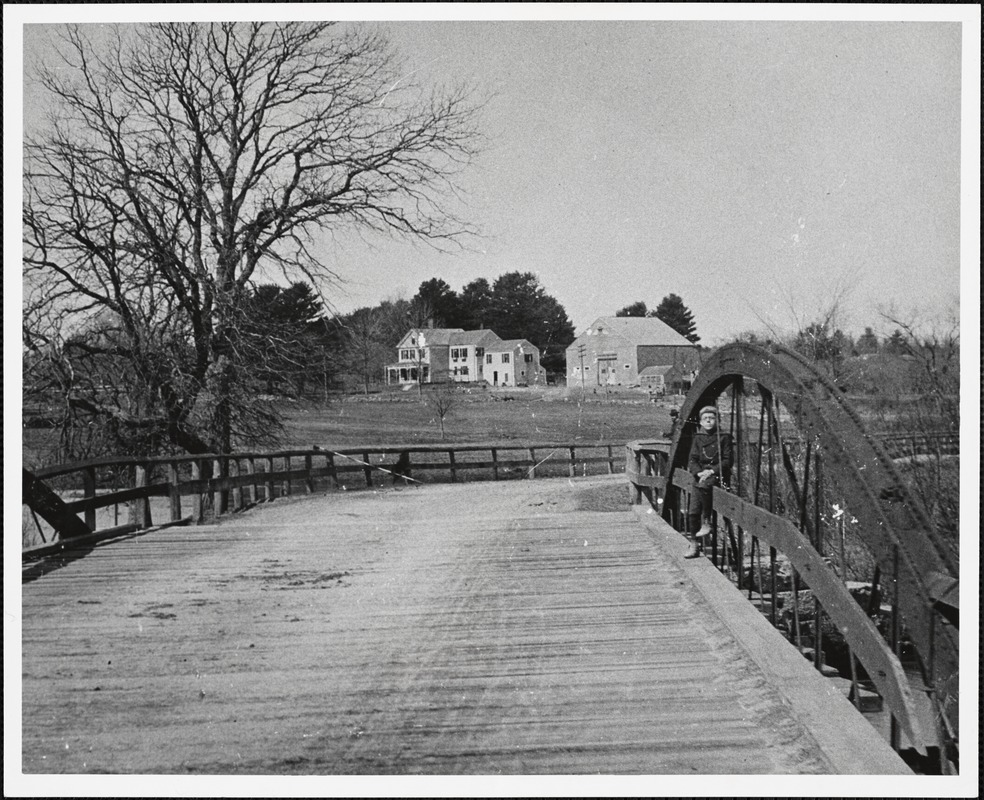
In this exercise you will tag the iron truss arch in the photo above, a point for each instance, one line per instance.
(805, 421)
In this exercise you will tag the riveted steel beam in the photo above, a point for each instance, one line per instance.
(858, 469)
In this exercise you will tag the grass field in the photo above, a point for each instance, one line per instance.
(533, 416)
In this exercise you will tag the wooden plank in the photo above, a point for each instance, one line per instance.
(117, 498)
(419, 637)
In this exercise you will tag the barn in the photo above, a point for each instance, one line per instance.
(616, 351)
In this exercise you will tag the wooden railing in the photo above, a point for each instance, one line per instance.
(646, 467)
(646, 462)
(198, 488)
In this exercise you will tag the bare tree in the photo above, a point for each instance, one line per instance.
(930, 407)
(443, 398)
(815, 334)
(183, 164)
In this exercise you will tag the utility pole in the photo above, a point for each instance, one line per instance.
(580, 351)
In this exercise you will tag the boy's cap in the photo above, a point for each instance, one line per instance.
(708, 410)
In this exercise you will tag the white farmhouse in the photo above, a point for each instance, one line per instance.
(437, 355)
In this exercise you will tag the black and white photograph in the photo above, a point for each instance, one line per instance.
(492, 400)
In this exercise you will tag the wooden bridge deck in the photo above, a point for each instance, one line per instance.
(529, 627)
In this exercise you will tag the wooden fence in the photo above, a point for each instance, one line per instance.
(199, 488)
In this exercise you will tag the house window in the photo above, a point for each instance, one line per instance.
(479, 352)
(627, 366)
(528, 358)
(464, 371)
(505, 358)
(488, 359)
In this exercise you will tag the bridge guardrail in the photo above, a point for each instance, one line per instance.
(220, 484)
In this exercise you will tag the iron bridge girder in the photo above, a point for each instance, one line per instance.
(858, 468)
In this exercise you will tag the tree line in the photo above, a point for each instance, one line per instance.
(515, 306)
(350, 351)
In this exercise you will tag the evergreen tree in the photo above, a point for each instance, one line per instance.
(896, 344)
(867, 342)
(442, 301)
(280, 334)
(674, 313)
(637, 309)
(521, 309)
(475, 301)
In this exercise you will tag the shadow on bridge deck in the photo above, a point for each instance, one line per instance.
(536, 627)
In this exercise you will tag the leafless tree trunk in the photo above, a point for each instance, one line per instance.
(933, 410)
(443, 398)
(183, 162)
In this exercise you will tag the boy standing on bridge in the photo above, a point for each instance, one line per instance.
(711, 457)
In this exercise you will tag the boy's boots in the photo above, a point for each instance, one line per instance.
(693, 520)
(706, 529)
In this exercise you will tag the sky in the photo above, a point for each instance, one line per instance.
(753, 168)
(763, 170)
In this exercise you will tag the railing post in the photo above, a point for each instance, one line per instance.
(308, 466)
(532, 464)
(451, 463)
(367, 470)
(237, 489)
(611, 461)
(220, 469)
(331, 469)
(270, 493)
(630, 470)
(740, 560)
(173, 491)
(649, 492)
(288, 488)
(89, 492)
(140, 507)
(198, 503)
(572, 470)
(254, 494)
(495, 465)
